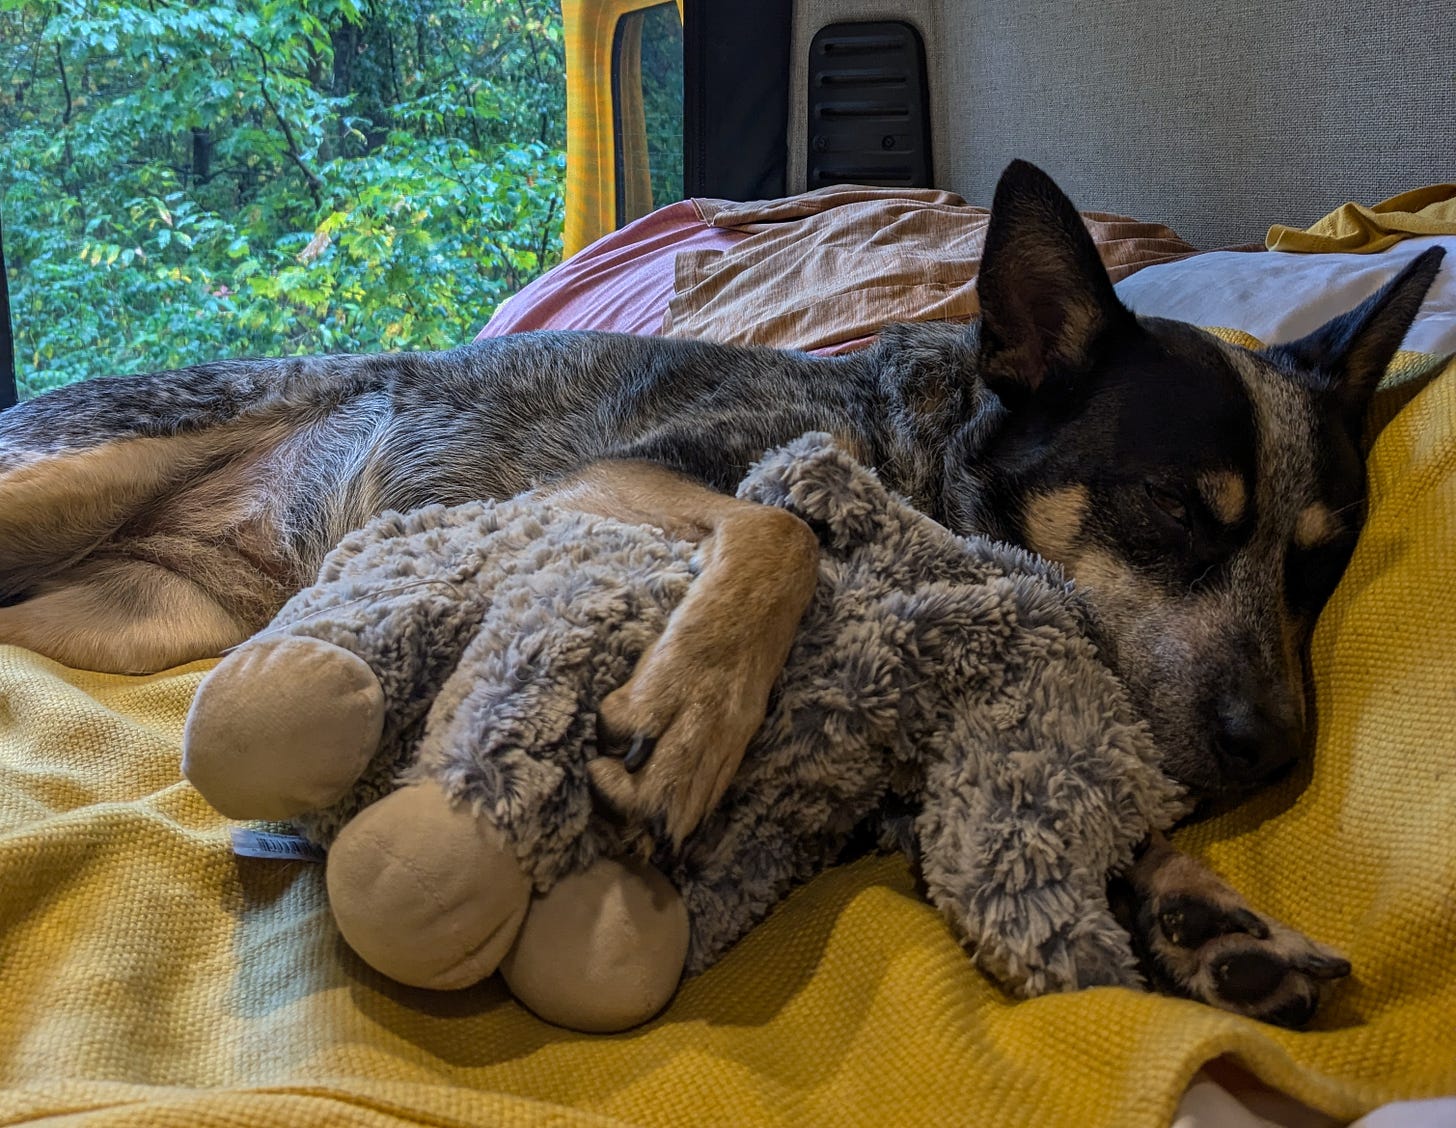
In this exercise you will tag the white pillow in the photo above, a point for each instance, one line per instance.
(1278, 296)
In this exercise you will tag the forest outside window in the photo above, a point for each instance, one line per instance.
(185, 181)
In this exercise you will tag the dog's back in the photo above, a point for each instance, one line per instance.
(269, 462)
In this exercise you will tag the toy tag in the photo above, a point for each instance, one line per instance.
(265, 844)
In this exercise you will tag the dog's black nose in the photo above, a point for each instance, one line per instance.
(1254, 739)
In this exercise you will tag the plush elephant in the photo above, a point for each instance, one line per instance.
(429, 709)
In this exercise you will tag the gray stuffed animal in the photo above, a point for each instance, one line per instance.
(429, 707)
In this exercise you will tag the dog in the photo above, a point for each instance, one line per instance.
(1205, 497)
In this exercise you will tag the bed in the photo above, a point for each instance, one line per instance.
(152, 976)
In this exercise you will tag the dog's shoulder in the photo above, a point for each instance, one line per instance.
(927, 344)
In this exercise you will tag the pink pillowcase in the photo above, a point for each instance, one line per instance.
(622, 282)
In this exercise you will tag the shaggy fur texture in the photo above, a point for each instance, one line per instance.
(958, 679)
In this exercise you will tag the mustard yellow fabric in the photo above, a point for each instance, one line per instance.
(1361, 229)
(148, 977)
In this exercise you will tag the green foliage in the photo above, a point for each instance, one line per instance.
(183, 180)
(662, 99)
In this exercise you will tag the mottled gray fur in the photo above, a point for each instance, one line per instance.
(361, 434)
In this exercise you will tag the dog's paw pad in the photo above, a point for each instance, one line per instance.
(1190, 922)
(1195, 937)
(1240, 962)
(1248, 976)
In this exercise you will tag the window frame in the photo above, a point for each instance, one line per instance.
(9, 385)
(736, 78)
(737, 66)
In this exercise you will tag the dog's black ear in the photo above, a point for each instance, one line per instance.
(1046, 300)
(1347, 355)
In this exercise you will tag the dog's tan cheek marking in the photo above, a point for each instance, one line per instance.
(1225, 493)
(1109, 576)
(1052, 522)
(1314, 526)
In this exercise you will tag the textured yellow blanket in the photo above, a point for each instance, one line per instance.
(149, 977)
(1361, 229)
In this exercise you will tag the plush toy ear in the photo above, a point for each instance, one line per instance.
(1346, 356)
(1046, 300)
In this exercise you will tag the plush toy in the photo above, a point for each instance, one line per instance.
(428, 707)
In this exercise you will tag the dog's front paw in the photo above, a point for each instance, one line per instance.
(676, 733)
(1196, 937)
(683, 721)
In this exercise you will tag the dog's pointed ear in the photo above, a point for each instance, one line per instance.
(1347, 355)
(1046, 300)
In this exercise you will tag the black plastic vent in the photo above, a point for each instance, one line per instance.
(869, 106)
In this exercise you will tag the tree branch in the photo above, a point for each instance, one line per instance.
(315, 185)
(66, 133)
(65, 85)
(536, 66)
(546, 232)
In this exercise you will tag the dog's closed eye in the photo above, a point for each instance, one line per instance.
(1170, 503)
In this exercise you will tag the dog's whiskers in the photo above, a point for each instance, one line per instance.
(1197, 581)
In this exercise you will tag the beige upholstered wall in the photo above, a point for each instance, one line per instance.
(1218, 117)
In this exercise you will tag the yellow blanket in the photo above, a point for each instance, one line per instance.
(1356, 228)
(149, 977)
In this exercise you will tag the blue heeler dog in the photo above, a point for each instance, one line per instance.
(1205, 496)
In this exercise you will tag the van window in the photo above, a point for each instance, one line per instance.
(647, 89)
(184, 182)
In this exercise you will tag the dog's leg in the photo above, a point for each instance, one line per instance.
(700, 691)
(120, 616)
(1196, 937)
(54, 509)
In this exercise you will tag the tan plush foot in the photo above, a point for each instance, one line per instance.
(424, 891)
(282, 726)
(603, 950)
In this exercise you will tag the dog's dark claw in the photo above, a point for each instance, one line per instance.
(637, 754)
(1247, 921)
(1321, 966)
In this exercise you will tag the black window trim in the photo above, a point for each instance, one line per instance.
(9, 388)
